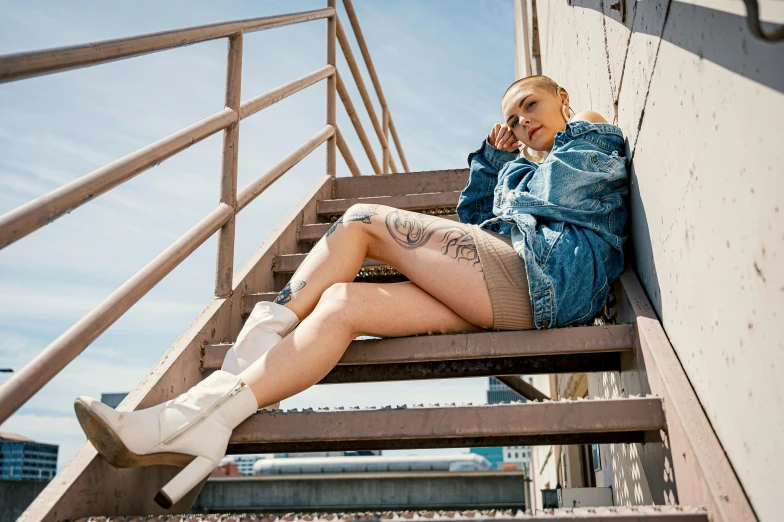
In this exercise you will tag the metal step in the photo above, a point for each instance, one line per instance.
(502, 514)
(312, 233)
(400, 184)
(408, 202)
(288, 263)
(596, 421)
(563, 350)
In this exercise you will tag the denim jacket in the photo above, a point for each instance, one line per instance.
(566, 217)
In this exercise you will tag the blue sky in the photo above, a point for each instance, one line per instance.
(443, 65)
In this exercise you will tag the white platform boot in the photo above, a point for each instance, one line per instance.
(266, 326)
(191, 430)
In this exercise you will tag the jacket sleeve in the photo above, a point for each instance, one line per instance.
(476, 200)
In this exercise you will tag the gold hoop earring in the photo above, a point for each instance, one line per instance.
(565, 112)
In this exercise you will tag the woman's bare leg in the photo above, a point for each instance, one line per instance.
(344, 312)
(447, 293)
(437, 254)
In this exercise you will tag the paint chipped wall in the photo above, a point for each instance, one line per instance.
(543, 461)
(701, 102)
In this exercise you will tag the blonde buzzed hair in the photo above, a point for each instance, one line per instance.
(538, 80)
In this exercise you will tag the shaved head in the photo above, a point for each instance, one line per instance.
(543, 82)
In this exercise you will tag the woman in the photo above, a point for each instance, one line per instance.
(538, 246)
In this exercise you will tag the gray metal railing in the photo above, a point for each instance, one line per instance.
(27, 218)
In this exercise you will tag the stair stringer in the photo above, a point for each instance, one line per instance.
(691, 467)
(89, 486)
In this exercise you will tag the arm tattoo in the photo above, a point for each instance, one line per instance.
(411, 230)
(361, 213)
(285, 295)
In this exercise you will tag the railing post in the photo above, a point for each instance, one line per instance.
(385, 126)
(332, 90)
(224, 266)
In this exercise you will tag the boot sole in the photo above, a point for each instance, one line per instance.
(111, 447)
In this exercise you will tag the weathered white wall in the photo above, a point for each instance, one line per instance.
(701, 101)
(544, 466)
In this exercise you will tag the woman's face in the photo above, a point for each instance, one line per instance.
(535, 115)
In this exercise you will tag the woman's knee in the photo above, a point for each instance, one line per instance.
(338, 305)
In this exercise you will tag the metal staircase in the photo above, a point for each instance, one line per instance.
(657, 409)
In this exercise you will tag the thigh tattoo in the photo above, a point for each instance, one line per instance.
(361, 213)
(411, 230)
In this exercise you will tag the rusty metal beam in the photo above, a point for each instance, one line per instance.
(699, 466)
(452, 369)
(360, 130)
(277, 94)
(531, 423)
(363, 92)
(224, 263)
(346, 153)
(489, 350)
(497, 514)
(260, 184)
(411, 201)
(34, 375)
(401, 184)
(522, 388)
(29, 64)
(288, 263)
(332, 121)
(27, 218)
(363, 48)
(455, 369)
(396, 139)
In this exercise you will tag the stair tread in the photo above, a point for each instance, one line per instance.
(400, 184)
(406, 202)
(288, 263)
(636, 419)
(501, 514)
(475, 348)
(314, 231)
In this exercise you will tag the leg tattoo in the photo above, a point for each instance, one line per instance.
(411, 230)
(292, 286)
(361, 213)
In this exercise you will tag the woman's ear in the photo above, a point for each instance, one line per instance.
(563, 95)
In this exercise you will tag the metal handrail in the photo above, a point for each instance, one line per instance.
(363, 48)
(29, 217)
(363, 93)
(29, 64)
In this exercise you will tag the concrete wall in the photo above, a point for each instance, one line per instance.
(544, 462)
(700, 100)
(16, 495)
(365, 491)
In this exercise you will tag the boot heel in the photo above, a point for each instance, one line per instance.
(184, 481)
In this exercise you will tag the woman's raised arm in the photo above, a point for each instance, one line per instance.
(476, 201)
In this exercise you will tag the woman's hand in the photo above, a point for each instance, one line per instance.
(502, 138)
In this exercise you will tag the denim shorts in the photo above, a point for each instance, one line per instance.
(506, 279)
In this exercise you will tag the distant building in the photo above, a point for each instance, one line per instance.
(358, 453)
(494, 455)
(25, 459)
(515, 457)
(372, 463)
(226, 469)
(113, 399)
(499, 392)
(518, 456)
